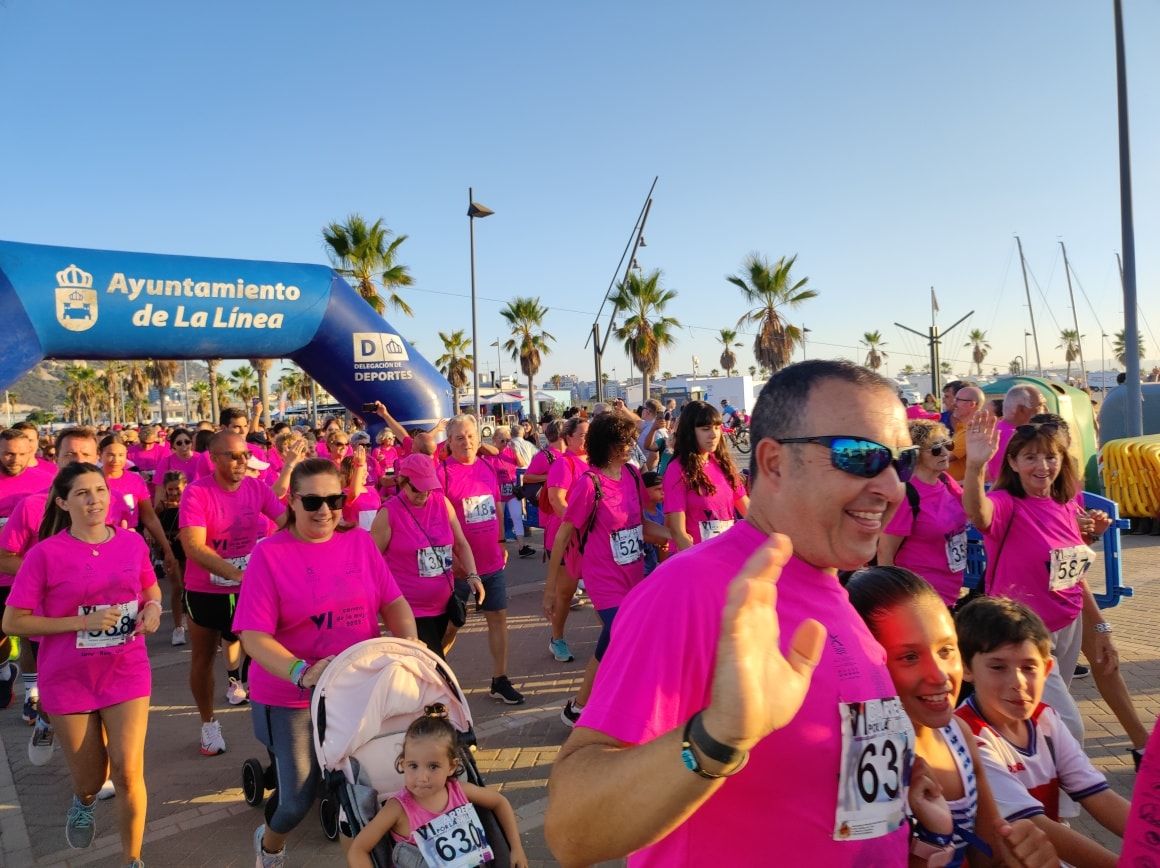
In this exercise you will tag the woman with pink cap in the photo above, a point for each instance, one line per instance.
(422, 541)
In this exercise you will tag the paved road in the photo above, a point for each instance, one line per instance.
(197, 815)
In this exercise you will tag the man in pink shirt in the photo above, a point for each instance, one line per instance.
(710, 737)
(145, 454)
(1019, 405)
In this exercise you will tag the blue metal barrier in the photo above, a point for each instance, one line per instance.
(1114, 587)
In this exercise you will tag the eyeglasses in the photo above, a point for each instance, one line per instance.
(182, 442)
(936, 449)
(966, 401)
(313, 502)
(235, 457)
(865, 458)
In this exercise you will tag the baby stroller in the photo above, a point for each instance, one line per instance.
(361, 708)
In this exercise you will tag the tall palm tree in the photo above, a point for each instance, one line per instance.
(529, 342)
(82, 392)
(138, 379)
(645, 331)
(243, 383)
(262, 366)
(977, 341)
(908, 370)
(875, 354)
(771, 288)
(112, 376)
(162, 372)
(213, 378)
(367, 254)
(555, 380)
(1069, 343)
(1120, 347)
(727, 338)
(1015, 366)
(455, 363)
(201, 399)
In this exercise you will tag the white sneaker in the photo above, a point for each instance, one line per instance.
(107, 791)
(41, 743)
(212, 741)
(236, 693)
(178, 637)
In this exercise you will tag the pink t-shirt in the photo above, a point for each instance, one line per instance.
(1028, 530)
(658, 672)
(418, 816)
(146, 461)
(125, 495)
(316, 599)
(419, 555)
(935, 541)
(612, 562)
(565, 470)
(1006, 432)
(473, 490)
(1141, 845)
(14, 489)
(539, 464)
(710, 509)
(22, 528)
(505, 469)
(190, 466)
(362, 509)
(80, 672)
(234, 521)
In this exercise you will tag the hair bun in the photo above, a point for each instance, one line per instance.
(437, 710)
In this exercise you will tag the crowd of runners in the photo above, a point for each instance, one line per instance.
(802, 672)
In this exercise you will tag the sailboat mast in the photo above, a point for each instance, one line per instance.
(1074, 317)
(1030, 312)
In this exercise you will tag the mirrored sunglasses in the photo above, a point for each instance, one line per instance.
(864, 458)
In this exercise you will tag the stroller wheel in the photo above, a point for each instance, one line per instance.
(253, 776)
(328, 815)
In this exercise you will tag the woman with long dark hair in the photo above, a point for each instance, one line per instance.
(703, 489)
(88, 591)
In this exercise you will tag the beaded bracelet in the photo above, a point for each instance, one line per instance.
(297, 670)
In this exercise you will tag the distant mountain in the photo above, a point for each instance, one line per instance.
(44, 386)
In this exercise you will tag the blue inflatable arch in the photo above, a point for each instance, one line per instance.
(71, 303)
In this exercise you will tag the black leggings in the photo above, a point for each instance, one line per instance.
(431, 630)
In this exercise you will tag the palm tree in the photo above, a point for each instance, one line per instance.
(666, 375)
(556, 380)
(262, 366)
(907, 370)
(753, 370)
(162, 371)
(242, 383)
(81, 393)
(138, 389)
(771, 288)
(727, 338)
(873, 341)
(214, 391)
(645, 331)
(1070, 339)
(528, 342)
(201, 399)
(977, 341)
(456, 363)
(366, 253)
(1120, 347)
(715, 373)
(1015, 366)
(112, 375)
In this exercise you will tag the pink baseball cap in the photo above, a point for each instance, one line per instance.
(420, 472)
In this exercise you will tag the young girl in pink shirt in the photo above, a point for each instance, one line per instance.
(434, 808)
(89, 592)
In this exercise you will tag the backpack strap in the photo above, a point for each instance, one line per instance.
(598, 495)
(913, 499)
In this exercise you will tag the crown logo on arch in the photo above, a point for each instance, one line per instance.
(76, 300)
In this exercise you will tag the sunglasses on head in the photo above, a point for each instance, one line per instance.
(865, 458)
(1033, 428)
(937, 449)
(313, 502)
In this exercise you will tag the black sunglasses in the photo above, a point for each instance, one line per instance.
(937, 449)
(865, 458)
(313, 502)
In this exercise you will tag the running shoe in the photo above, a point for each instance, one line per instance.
(501, 688)
(40, 744)
(8, 673)
(264, 859)
(527, 552)
(178, 637)
(577, 601)
(79, 827)
(570, 713)
(212, 742)
(136, 863)
(559, 649)
(107, 791)
(1081, 671)
(511, 537)
(31, 711)
(236, 693)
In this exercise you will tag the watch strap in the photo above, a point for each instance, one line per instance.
(714, 751)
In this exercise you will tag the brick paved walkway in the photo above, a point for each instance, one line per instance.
(197, 815)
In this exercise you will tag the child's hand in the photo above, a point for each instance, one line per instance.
(1022, 843)
(927, 802)
(519, 859)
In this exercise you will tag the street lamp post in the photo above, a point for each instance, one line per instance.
(1022, 365)
(805, 331)
(1026, 335)
(474, 209)
(498, 364)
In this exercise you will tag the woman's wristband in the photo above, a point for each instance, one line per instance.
(297, 670)
(149, 603)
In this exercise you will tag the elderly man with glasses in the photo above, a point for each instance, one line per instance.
(967, 401)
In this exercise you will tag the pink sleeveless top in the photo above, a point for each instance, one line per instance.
(418, 816)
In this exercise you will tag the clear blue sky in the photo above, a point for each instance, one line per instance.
(891, 145)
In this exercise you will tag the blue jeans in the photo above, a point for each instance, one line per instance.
(289, 735)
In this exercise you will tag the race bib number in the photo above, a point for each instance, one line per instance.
(627, 545)
(366, 518)
(454, 840)
(479, 509)
(118, 634)
(877, 747)
(714, 527)
(957, 551)
(507, 489)
(1068, 566)
(434, 561)
(221, 581)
